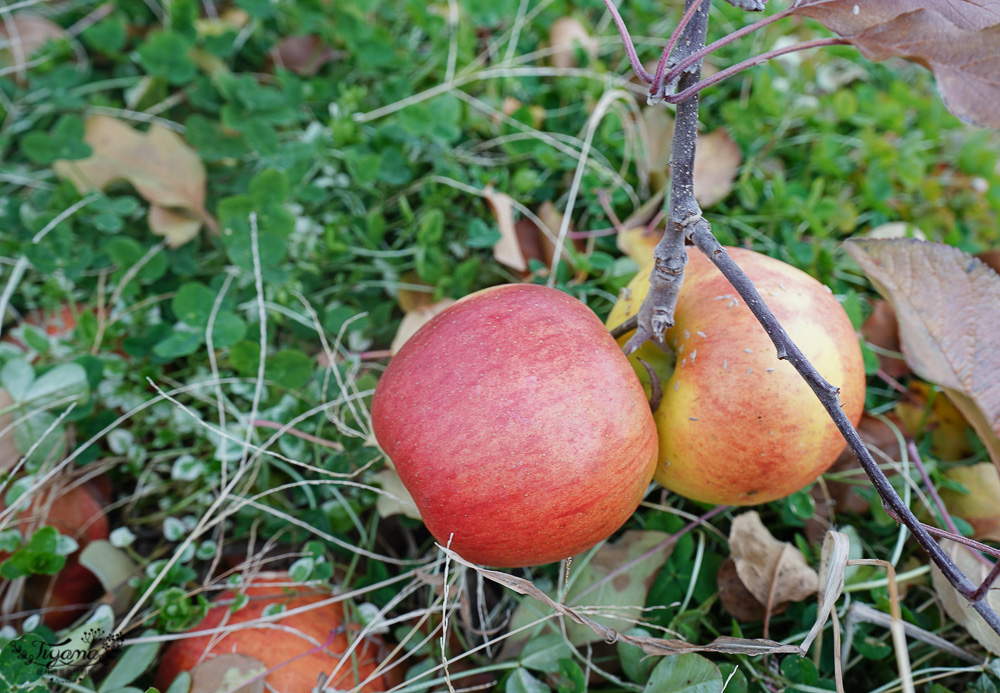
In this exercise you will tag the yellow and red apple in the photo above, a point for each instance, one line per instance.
(736, 425)
(518, 426)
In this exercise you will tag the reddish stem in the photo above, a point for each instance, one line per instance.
(633, 57)
(752, 62)
(659, 78)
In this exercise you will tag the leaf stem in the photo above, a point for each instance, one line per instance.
(751, 62)
(657, 88)
(633, 57)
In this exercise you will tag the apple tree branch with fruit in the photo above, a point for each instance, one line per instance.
(958, 36)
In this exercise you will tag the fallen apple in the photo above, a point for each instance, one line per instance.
(736, 425)
(78, 512)
(307, 645)
(518, 426)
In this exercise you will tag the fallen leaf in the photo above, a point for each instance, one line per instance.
(9, 454)
(397, 499)
(980, 507)
(552, 218)
(767, 566)
(158, 163)
(734, 595)
(636, 239)
(896, 229)
(23, 34)
(228, 673)
(946, 303)
(611, 587)
(303, 55)
(881, 329)
(947, 427)
(113, 568)
(957, 606)
(955, 40)
(716, 160)
(414, 320)
(654, 646)
(506, 251)
(564, 36)
(657, 130)
(854, 16)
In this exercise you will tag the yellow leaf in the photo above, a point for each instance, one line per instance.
(980, 507)
(159, 164)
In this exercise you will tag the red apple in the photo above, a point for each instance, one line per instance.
(78, 512)
(282, 643)
(736, 425)
(518, 426)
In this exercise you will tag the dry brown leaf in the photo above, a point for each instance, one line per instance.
(9, 454)
(227, 673)
(303, 55)
(416, 319)
(716, 161)
(159, 164)
(947, 427)
(654, 646)
(564, 35)
(24, 33)
(768, 566)
(734, 595)
(956, 40)
(635, 239)
(506, 251)
(957, 606)
(840, 15)
(658, 128)
(980, 507)
(946, 302)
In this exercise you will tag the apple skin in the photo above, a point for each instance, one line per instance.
(278, 642)
(78, 512)
(736, 425)
(518, 426)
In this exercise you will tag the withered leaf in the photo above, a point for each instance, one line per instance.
(946, 304)
(414, 320)
(654, 646)
(303, 55)
(228, 672)
(24, 33)
(774, 571)
(734, 595)
(716, 161)
(955, 40)
(506, 251)
(980, 507)
(957, 606)
(159, 164)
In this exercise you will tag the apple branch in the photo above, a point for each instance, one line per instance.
(656, 313)
(669, 256)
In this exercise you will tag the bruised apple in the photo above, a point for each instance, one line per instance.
(308, 644)
(736, 425)
(518, 427)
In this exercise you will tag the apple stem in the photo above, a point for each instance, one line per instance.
(685, 220)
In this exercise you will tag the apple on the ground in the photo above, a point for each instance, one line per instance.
(518, 426)
(736, 425)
